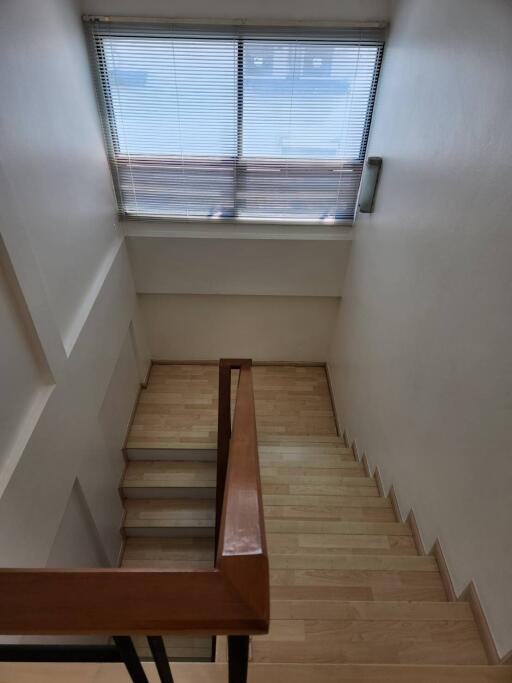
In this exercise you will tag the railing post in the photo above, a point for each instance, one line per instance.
(157, 647)
(238, 658)
(130, 658)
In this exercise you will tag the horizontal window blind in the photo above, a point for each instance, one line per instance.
(236, 122)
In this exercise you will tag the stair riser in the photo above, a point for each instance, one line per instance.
(172, 454)
(168, 532)
(166, 492)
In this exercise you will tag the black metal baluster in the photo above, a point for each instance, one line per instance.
(157, 647)
(238, 658)
(130, 658)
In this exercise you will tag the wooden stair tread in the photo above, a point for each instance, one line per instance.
(156, 440)
(370, 641)
(355, 486)
(322, 456)
(324, 460)
(172, 512)
(350, 501)
(168, 553)
(353, 476)
(340, 544)
(341, 562)
(329, 512)
(298, 474)
(357, 584)
(173, 474)
(397, 610)
(275, 439)
(330, 527)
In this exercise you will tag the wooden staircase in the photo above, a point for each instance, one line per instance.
(352, 598)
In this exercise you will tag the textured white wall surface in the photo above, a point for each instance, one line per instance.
(165, 265)
(71, 341)
(189, 327)
(421, 363)
(349, 10)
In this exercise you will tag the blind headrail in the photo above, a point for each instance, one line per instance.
(314, 23)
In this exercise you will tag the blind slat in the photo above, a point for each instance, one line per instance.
(238, 121)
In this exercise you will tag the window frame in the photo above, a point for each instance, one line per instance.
(239, 162)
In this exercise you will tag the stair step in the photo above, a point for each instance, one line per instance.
(173, 454)
(295, 526)
(169, 517)
(327, 460)
(329, 512)
(168, 553)
(370, 642)
(350, 501)
(348, 486)
(365, 585)
(302, 440)
(161, 439)
(184, 672)
(143, 479)
(321, 456)
(339, 544)
(411, 563)
(316, 476)
(376, 611)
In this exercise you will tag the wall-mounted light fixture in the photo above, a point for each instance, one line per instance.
(371, 173)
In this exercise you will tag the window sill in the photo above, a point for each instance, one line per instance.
(224, 229)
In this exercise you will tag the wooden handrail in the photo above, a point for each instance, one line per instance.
(230, 599)
(241, 554)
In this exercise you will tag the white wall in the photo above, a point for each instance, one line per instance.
(272, 328)
(351, 10)
(76, 542)
(167, 265)
(68, 310)
(421, 362)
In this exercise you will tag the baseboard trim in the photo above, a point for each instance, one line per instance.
(418, 541)
(121, 551)
(145, 381)
(470, 592)
(333, 404)
(437, 552)
(366, 465)
(143, 385)
(507, 659)
(290, 363)
(394, 502)
(378, 481)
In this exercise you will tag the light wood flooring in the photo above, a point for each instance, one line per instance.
(351, 598)
(260, 673)
(179, 406)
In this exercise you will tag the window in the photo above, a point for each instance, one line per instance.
(236, 122)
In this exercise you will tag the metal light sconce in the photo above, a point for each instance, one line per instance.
(369, 182)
